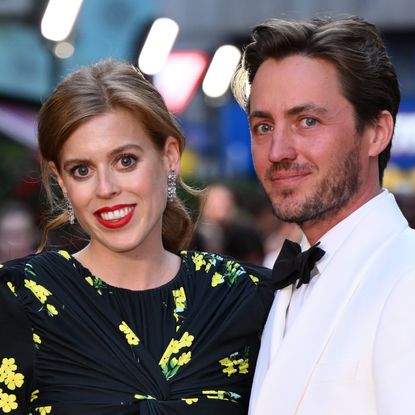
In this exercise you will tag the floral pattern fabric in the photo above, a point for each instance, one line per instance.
(72, 343)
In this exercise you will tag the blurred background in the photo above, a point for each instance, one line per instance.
(188, 49)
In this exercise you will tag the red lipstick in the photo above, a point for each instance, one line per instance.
(115, 217)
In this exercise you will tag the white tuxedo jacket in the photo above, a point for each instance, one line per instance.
(351, 350)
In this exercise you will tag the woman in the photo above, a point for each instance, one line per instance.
(132, 323)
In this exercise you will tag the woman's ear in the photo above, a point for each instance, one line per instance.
(382, 133)
(55, 170)
(171, 154)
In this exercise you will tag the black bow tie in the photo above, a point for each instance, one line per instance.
(293, 265)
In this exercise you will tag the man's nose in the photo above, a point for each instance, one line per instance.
(282, 145)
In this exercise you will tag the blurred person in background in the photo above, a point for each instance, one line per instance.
(221, 228)
(133, 323)
(18, 231)
(244, 242)
(322, 97)
(218, 209)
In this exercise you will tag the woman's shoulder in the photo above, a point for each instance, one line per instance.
(14, 266)
(19, 268)
(222, 282)
(215, 263)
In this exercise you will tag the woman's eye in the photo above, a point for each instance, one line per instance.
(81, 171)
(127, 160)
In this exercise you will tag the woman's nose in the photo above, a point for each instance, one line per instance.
(107, 185)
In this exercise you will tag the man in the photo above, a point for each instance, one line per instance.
(322, 104)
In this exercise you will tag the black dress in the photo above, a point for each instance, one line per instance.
(72, 344)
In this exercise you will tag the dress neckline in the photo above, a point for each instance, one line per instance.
(84, 271)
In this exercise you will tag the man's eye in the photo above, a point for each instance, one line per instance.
(309, 122)
(262, 128)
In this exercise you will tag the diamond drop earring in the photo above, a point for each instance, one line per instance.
(69, 209)
(171, 186)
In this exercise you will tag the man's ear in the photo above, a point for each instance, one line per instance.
(382, 133)
(171, 154)
(55, 170)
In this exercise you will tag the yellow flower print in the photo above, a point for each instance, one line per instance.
(164, 359)
(1, 265)
(14, 380)
(174, 346)
(209, 264)
(97, 283)
(131, 337)
(199, 261)
(217, 279)
(42, 295)
(7, 402)
(223, 395)
(243, 367)
(37, 339)
(44, 410)
(170, 365)
(90, 281)
(8, 365)
(30, 284)
(8, 374)
(226, 362)
(186, 340)
(236, 363)
(233, 271)
(11, 287)
(51, 310)
(183, 359)
(39, 291)
(179, 299)
(254, 279)
(230, 371)
(65, 254)
(34, 395)
(229, 366)
(138, 396)
(190, 401)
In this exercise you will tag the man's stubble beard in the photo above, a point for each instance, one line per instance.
(331, 194)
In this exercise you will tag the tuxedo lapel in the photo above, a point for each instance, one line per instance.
(271, 339)
(283, 298)
(292, 364)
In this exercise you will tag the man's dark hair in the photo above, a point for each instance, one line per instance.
(355, 46)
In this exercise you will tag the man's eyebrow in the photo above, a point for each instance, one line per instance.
(307, 107)
(292, 111)
(259, 114)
